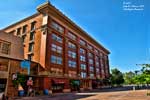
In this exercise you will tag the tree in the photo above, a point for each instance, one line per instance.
(144, 76)
(128, 77)
(116, 77)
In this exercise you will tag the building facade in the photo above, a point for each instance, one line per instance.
(11, 53)
(71, 58)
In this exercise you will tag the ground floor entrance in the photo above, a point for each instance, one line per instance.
(3, 84)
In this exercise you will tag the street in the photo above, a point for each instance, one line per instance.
(112, 95)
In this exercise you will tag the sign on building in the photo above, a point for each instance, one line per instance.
(25, 65)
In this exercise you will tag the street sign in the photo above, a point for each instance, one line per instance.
(25, 64)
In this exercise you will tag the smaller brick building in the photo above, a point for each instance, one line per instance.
(11, 53)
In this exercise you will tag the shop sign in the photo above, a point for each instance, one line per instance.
(25, 65)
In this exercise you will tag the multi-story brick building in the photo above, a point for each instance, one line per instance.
(68, 54)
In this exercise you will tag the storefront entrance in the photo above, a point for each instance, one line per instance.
(75, 85)
(57, 85)
(3, 84)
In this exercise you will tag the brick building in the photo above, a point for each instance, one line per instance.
(70, 57)
(11, 53)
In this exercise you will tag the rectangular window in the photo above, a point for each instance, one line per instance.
(56, 38)
(97, 64)
(71, 63)
(72, 36)
(97, 70)
(32, 36)
(83, 66)
(19, 31)
(29, 57)
(23, 38)
(90, 55)
(56, 59)
(57, 27)
(71, 54)
(31, 47)
(56, 48)
(82, 42)
(71, 45)
(91, 68)
(82, 58)
(90, 47)
(5, 48)
(90, 61)
(91, 75)
(24, 30)
(96, 58)
(96, 50)
(33, 25)
(83, 74)
(82, 51)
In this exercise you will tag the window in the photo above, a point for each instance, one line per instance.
(71, 54)
(72, 36)
(5, 48)
(82, 58)
(91, 68)
(82, 51)
(56, 59)
(97, 70)
(90, 61)
(33, 25)
(90, 55)
(57, 27)
(18, 31)
(30, 57)
(91, 75)
(32, 35)
(71, 63)
(101, 54)
(30, 47)
(96, 50)
(56, 48)
(83, 66)
(89, 47)
(82, 42)
(96, 58)
(56, 38)
(97, 64)
(71, 45)
(23, 38)
(83, 74)
(24, 29)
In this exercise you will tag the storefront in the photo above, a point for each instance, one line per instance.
(57, 85)
(75, 85)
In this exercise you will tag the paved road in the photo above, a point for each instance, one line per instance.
(118, 95)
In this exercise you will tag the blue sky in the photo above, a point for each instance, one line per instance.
(125, 33)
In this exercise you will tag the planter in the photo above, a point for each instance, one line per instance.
(21, 93)
(46, 92)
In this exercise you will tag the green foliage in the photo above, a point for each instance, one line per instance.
(116, 77)
(139, 77)
(128, 77)
(21, 79)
